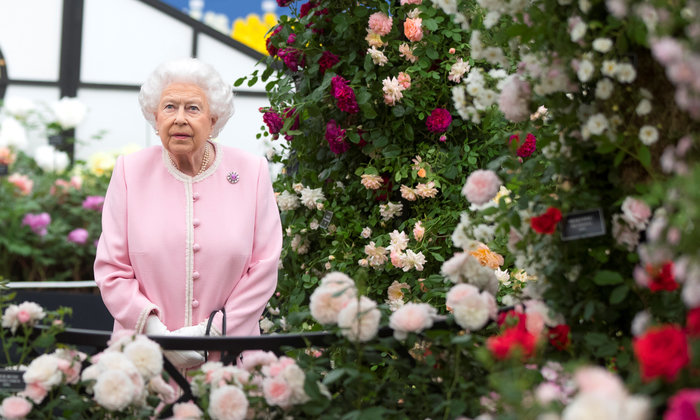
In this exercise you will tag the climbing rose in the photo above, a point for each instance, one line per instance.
(335, 136)
(327, 60)
(274, 121)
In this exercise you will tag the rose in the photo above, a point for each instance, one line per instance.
(344, 94)
(439, 120)
(186, 411)
(559, 337)
(293, 58)
(528, 147)
(511, 341)
(662, 279)
(93, 202)
(547, 222)
(413, 30)
(273, 121)
(636, 212)
(228, 402)
(15, 408)
(683, 405)
(327, 61)
(69, 112)
(380, 23)
(662, 351)
(481, 186)
(692, 323)
(271, 49)
(335, 135)
(359, 320)
(411, 317)
(78, 236)
(51, 160)
(37, 222)
(22, 182)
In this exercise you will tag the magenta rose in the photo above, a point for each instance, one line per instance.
(344, 94)
(335, 136)
(293, 58)
(439, 120)
(78, 236)
(93, 202)
(37, 222)
(327, 60)
(683, 405)
(273, 121)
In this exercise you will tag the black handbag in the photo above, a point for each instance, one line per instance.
(208, 329)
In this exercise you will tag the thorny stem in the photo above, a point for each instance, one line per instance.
(457, 353)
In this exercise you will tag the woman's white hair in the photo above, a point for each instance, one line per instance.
(188, 70)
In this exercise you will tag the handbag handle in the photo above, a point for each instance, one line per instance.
(208, 329)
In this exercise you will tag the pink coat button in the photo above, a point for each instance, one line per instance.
(195, 222)
(195, 303)
(195, 275)
(195, 196)
(196, 247)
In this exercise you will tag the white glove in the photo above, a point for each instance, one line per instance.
(154, 326)
(180, 358)
(198, 330)
(183, 359)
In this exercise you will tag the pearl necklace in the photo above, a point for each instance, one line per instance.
(205, 160)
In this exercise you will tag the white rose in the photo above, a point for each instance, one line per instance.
(18, 107)
(114, 390)
(602, 45)
(359, 320)
(146, 356)
(44, 371)
(12, 134)
(51, 160)
(69, 112)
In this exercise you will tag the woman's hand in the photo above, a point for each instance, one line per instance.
(182, 359)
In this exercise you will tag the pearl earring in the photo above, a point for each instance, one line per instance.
(157, 132)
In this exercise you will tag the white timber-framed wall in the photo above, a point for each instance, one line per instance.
(101, 51)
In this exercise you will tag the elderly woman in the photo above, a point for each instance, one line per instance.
(190, 227)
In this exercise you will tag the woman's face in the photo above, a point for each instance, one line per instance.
(183, 119)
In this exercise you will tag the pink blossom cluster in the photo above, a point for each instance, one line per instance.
(6, 156)
(627, 226)
(93, 202)
(38, 223)
(78, 236)
(393, 88)
(344, 94)
(472, 309)
(62, 186)
(683, 70)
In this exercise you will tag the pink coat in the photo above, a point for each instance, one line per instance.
(184, 246)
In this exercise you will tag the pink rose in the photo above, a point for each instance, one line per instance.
(186, 411)
(93, 202)
(228, 402)
(277, 392)
(22, 182)
(15, 408)
(636, 212)
(78, 236)
(481, 186)
(380, 23)
(37, 222)
(418, 231)
(683, 405)
(34, 392)
(411, 317)
(413, 30)
(405, 2)
(404, 80)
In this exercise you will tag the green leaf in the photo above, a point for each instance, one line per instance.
(606, 278)
(644, 156)
(437, 256)
(398, 111)
(595, 339)
(333, 376)
(619, 294)
(239, 81)
(391, 150)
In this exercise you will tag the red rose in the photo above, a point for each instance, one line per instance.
(511, 340)
(662, 351)
(662, 279)
(692, 323)
(527, 148)
(547, 222)
(559, 337)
